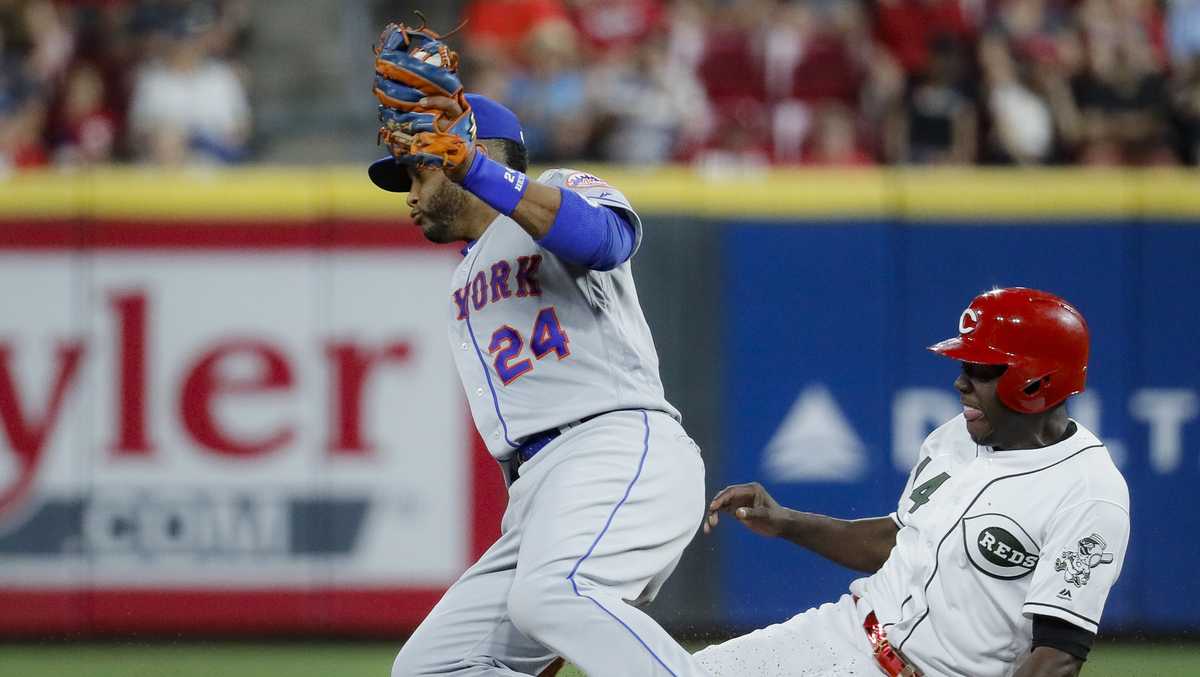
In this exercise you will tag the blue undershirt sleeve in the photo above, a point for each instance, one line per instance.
(597, 237)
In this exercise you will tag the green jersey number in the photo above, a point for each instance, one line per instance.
(920, 495)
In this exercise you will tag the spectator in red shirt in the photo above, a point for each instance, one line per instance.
(732, 67)
(498, 30)
(907, 28)
(612, 27)
(740, 142)
(85, 131)
(21, 130)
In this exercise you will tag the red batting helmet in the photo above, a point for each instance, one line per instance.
(1042, 338)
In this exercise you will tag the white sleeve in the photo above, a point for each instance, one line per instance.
(1079, 561)
(596, 191)
(904, 503)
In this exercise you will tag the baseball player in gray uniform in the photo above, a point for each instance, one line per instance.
(561, 374)
(1006, 540)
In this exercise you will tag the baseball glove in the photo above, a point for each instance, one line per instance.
(413, 138)
(412, 64)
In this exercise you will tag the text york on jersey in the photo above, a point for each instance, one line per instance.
(498, 284)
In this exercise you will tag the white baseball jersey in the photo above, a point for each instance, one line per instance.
(539, 342)
(990, 538)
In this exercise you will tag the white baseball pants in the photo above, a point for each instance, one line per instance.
(827, 641)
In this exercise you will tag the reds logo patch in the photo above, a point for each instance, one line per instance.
(968, 321)
(998, 546)
(584, 180)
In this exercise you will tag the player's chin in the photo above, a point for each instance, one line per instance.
(979, 430)
(436, 231)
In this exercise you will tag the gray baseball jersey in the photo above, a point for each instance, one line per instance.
(539, 342)
(600, 516)
(990, 538)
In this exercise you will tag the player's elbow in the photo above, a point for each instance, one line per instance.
(617, 245)
(606, 263)
(599, 238)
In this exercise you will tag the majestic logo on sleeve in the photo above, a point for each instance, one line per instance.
(1077, 565)
(998, 546)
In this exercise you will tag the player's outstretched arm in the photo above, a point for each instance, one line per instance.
(560, 220)
(1047, 661)
(862, 545)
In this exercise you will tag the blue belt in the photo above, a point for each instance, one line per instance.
(531, 445)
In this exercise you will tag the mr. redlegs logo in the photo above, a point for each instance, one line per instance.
(28, 425)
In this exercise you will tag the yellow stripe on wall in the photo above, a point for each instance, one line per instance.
(241, 194)
(775, 194)
(41, 195)
(1034, 193)
(272, 193)
(1170, 194)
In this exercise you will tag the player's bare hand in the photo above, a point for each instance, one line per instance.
(751, 505)
(449, 109)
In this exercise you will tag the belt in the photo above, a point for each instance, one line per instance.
(890, 660)
(531, 445)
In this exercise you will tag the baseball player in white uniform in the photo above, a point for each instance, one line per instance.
(1008, 535)
(561, 374)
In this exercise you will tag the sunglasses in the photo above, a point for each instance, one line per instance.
(983, 372)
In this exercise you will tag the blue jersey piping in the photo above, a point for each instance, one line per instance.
(483, 363)
(575, 569)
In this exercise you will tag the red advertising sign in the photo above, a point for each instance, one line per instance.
(231, 428)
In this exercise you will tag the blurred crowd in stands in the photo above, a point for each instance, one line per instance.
(716, 83)
(97, 81)
(844, 82)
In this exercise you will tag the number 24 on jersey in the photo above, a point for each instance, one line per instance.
(507, 344)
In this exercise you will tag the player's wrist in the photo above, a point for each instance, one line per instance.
(500, 187)
(786, 522)
(459, 172)
(800, 527)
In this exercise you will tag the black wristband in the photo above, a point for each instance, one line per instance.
(1059, 634)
